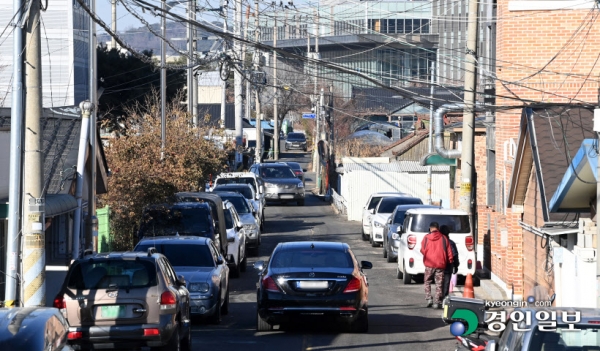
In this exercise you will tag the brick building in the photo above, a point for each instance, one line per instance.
(545, 51)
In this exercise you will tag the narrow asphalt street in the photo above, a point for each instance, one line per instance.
(398, 319)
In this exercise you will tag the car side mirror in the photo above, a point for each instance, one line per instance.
(304, 170)
(400, 229)
(220, 260)
(180, 280)
(372, 211)
(366, 265)
(389, 221)
(259, 265)
(261, 189)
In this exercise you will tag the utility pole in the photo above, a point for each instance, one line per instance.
(16, 149)
(91, 233)
(275, 92)
(113, 24)
(319, 138)
(163, 82)
(468, 141)
(190, 64)
(194, 78)
(430, 143)
(34, 267)
(259, 140)
(597, 130)
(224, 82)
(317, 161)
(237, 86)
(247, 107)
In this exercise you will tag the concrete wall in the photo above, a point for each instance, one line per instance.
(575, 279)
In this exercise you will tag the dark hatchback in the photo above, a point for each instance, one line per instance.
(316, 281)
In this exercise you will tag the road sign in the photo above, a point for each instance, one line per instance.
(309, 115)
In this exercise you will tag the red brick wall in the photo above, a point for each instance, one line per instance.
(527, 44)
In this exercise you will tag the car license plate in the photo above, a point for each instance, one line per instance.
(116, 311)
(295, 144)
(312, 284)
(287, 196)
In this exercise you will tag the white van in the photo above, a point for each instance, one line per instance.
(414, 229)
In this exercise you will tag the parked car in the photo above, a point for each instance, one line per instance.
(382, 212)
(252, 179)
(295, 141)
(33, 329)
(281, 184)
(416, 226)
(248, 219)
(216, 205)
(319, 280)
(206, 272)
(236, 241)
(125, 300)
(247, 191)
(367, 215)
(391, 230)
(298, 170)
(582, 336)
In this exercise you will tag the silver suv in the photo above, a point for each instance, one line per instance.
(125, 300)
(281, 184)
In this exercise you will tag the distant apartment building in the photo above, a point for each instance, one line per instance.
(65, 54)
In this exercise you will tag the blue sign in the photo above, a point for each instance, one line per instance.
(309, 115)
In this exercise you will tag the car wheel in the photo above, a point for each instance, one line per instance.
(390, 259)
(372, 241)
(398, 273)
(174, 343)
(301, 203)
(225, 307)
(385, 253)
(364, 236)
(244, 264)
(235, 272)
(361, 324)
(407, 278)
(186, 342)
(261, 324)
(216, 317)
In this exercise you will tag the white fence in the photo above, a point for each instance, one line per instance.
(339, 202)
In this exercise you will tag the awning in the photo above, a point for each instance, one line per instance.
(578, 185)
(57, 204)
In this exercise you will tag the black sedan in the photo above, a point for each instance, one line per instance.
(313, 281)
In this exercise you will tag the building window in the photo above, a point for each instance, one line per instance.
(392, 26)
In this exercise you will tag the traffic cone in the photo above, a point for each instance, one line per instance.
(468, 290)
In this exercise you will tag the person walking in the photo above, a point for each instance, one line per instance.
(451, 268)
(437, 254)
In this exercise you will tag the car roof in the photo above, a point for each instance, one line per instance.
(237, 185)
(114, 255)
(197, 195)
(437, 211)
(389, 193)
(401, 196)
(187, 239)
(237, 175)
(182, 204)
(409, 207)
(275, 164)
(587, 314)
(329, 245)
(293, 163)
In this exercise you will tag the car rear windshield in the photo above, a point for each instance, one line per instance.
(296, 137)
(582, 337)
(249, 181)
(183, 255)
(244, 190)
(456, 223)
(277, 172)
(240, 204)
(388, 204)
(294, 166)
(399, 217)
(110, 273)
(184, 221)
(312, 259)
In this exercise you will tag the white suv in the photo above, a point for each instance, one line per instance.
(416, 226)
(369, 209)
(382, 213)
(245, 178)
(236, 240)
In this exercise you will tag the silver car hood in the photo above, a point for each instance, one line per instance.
(247, 218)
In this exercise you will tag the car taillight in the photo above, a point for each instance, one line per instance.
(412, 241)
(469, 243)
(297, 172)
(75, 335)
(167, 300)
(353, 285)
(269, 284)
(59, 302)
(151, 332)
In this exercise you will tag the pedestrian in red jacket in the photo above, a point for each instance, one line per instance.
(437, 254)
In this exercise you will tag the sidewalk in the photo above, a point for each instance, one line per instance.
(486, 290)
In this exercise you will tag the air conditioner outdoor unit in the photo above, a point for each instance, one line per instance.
(585, 254)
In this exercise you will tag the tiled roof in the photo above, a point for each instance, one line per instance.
(398, 167)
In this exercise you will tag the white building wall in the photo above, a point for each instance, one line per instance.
(574, 279)
(357, 186)
(64, 47)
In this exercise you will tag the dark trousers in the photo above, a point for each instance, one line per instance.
(446, 284)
